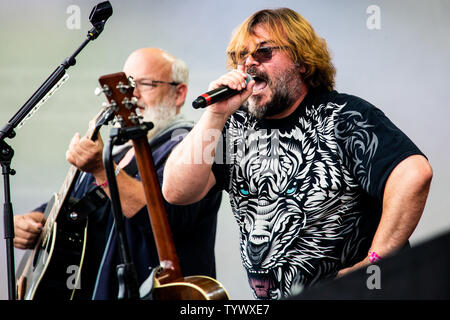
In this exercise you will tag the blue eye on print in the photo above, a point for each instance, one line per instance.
(292, 188)
(243, 189)
(243, 192)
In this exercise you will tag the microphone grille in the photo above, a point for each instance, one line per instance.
(248, 78)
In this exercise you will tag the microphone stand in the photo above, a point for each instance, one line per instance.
(99, 14)
(6, 154)
(126, 271)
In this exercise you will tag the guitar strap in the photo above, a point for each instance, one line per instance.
(90, 203)
(96, 197)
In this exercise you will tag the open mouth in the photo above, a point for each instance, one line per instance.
(260, 84)
(262, 283)
(261, 79)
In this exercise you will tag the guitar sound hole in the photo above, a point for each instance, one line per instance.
(41, 253)
(37, 254)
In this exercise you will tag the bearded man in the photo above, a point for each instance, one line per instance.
(320, 182)
(160, 87)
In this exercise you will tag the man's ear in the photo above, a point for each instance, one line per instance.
(180, 95)
(302, 68)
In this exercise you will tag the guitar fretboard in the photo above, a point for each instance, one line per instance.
(60, 199)
(67, 186)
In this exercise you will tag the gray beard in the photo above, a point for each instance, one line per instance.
(286, 89)
(161, 116)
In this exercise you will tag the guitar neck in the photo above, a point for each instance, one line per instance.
(159, 222)
(119, 91)
(69, 183)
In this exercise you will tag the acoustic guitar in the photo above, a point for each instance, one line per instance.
(45, 271)
(167, 281)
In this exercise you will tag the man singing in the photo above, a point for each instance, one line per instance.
(320, 182)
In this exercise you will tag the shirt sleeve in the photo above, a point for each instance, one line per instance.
(220, 167)
(370, 145)
(41, 208)
(179, 216)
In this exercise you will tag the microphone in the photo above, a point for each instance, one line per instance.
(98, 16)
(216, 95)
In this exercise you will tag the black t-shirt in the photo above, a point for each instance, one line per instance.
(307, 190)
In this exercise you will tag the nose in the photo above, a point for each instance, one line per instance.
(250, 61)
(136, 92)
(257, 252)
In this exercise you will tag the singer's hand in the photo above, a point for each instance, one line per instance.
(235, 80)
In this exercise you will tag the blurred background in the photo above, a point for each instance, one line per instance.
(394, 54)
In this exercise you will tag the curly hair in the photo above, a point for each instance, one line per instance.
(291, 32)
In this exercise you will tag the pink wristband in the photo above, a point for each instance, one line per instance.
(374, 257)
(104, 184)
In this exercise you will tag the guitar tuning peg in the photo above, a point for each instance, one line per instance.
(113, 105)
(135, 119)
(118, 121)
(129, 103)
(105, 89)
(131, 82)
(123, 88)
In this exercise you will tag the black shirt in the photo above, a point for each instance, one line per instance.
(307, 190)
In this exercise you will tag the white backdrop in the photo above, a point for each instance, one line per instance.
(394, 54)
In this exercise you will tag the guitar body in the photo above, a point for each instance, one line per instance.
(158, 287)
(191, 288)
(52, 268)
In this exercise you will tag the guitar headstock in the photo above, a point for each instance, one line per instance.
(118, 89)
(103, 118)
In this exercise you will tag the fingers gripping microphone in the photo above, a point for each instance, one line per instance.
(216, 95)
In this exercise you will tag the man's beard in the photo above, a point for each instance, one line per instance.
(285, 87)
(160, 115)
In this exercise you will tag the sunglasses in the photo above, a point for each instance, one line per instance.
(262, 54)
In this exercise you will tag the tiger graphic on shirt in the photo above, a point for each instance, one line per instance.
(294, 198)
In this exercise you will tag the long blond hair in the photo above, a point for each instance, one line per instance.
(291, 32)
